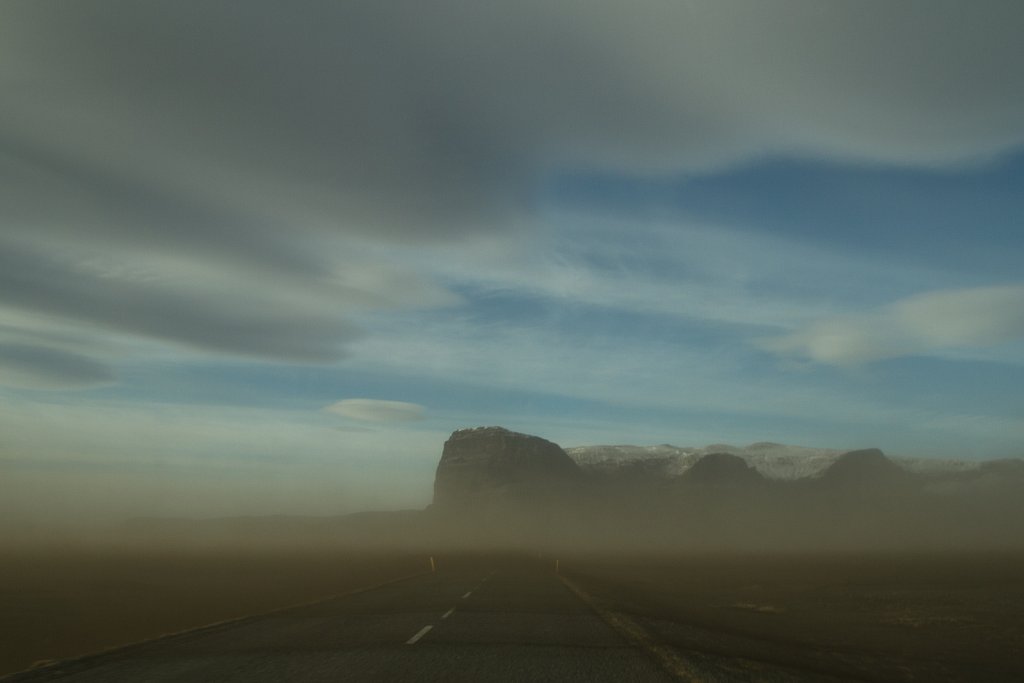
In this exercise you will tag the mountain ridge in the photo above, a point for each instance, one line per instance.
(773, 460)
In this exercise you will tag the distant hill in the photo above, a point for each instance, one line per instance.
(495, 488)
(773, 460)
(864, 468)
(721, 469)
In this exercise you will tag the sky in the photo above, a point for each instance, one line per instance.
(262, 259)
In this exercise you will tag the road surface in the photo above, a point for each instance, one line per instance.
(496, 619)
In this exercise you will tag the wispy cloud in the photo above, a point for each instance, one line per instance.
(376, 410)
(257, 184)
(208, 318)
(921, 324)
(672, 267)
(40, 367)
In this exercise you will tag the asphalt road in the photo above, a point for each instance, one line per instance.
(496, 619)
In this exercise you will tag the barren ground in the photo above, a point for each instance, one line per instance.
(59, 604)
(870, 617)
(864, 617)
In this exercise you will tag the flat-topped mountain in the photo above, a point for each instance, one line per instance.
(489, 463)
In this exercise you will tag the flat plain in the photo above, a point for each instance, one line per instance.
(866, 617)
(873, 617)
(56, 604)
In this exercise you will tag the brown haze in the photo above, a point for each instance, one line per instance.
(929, 565)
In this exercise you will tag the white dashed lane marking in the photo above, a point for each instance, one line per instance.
(422, 632)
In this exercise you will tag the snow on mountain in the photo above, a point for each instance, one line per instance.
(773, 460)
(665, 460)
(779, 461)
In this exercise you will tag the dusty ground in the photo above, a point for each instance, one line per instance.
(862, 617)
(58, 604)
(877, 617)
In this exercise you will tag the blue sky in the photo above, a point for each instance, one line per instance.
(250, 266)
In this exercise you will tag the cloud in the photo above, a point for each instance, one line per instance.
(257, 156)
(922, 324)
(39, 367)
(414, 122)
(678, 269)
(377, 411)
(206, 318)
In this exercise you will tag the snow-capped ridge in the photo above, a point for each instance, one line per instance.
(771, 460)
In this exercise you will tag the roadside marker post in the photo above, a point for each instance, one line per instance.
(433, 565)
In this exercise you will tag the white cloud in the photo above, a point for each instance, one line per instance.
(921, 324)
(376, 410)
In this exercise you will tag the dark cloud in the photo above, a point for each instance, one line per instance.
(49, 368)
(325, 114)
(260, 139)
(49, 194)
(413, 119)
(204, 318)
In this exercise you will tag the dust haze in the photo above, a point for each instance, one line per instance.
(701, 535)
(257, 262)
(499, 490)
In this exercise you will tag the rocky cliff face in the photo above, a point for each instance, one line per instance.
(489, 465)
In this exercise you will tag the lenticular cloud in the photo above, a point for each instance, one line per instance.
(376, 410)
